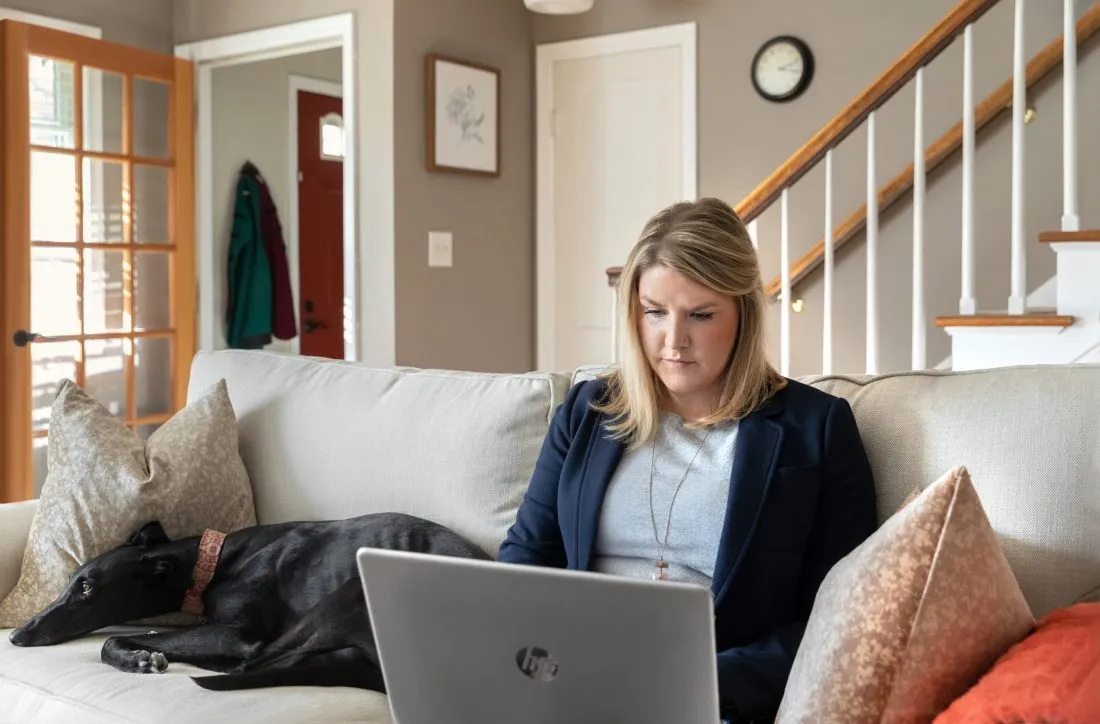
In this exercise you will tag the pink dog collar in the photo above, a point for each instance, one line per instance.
(210, 550)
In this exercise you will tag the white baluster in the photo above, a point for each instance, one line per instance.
(615, 323)
(827, 324)
(967, 302)
(785, 289)
(872, 250)
(1018, 296)
(753, 228)
(919, 332)
(1070, 220)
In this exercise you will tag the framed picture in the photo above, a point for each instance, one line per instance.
(463, 116)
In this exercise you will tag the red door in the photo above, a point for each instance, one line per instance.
(320, 225)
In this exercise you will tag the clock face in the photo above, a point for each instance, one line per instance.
(782, 68)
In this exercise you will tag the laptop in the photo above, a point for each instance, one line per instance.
(480, 641)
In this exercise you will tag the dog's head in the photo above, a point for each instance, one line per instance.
(140, 579)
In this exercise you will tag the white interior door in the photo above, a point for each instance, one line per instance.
(619, 146)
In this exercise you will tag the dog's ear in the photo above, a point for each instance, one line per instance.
(150, 534)
(161, 570)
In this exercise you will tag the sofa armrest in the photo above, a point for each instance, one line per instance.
(15, 526)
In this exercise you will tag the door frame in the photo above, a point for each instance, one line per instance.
(297, 83)
(683, 36)
(369, 309)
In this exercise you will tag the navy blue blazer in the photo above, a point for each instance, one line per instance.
(801, 497)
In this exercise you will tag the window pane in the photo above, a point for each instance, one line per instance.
(152, 291)
(104, 373)
(332, 137)
(52, 102)
(151, 205)
(104, 291)
(102, 111)
(150, 118)
(53, 197)
(51, 362)
(102, 201)
(55, 288)
(153, 375)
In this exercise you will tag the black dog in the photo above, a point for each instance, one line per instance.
(285, 605)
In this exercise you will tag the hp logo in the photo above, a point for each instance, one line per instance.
(537, 663)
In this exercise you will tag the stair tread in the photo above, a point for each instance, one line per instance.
(1050, 237)
(1002, 319)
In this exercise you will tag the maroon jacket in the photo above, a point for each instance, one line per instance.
(283, 325)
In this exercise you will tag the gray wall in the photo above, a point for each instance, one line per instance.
(743, 138)
(251, 122)
(146, 24)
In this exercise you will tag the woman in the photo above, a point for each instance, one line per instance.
(695, 460)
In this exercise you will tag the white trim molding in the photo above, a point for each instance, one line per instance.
(369, 286)
(296, 83)
(681, 35)
(46, 21)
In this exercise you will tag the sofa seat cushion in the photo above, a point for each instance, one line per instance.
(68, 683)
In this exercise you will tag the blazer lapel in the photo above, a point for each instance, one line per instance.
(604, 455)
(759, 440)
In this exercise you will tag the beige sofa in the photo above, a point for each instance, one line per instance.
(332, 439)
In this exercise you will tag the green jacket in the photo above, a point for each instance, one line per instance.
(249, 308)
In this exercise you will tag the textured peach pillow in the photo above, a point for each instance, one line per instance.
(1053, 675)
(910, 619)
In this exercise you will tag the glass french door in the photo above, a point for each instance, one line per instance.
(96, 236)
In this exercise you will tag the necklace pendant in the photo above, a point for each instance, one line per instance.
(662, 571)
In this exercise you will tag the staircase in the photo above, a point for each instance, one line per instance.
(1056, 323)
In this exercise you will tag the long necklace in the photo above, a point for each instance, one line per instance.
(661, 574)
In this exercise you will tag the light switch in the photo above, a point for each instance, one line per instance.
(440, 248)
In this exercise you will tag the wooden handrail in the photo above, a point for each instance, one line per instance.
(999, 101)
(849, 119)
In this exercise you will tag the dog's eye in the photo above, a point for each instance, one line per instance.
(86, 588)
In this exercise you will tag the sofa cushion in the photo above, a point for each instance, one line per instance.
(1030, 437)
(911, 618)
(328, 439)
(68, 683)
(105, 481)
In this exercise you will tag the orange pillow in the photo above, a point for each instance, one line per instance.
(1052, 675)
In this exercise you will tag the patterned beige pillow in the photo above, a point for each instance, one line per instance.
(909, 620)
(104, 482)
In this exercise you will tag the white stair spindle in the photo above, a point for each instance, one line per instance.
(872, 250)
(615, 323)
(1070, 220)
(919, 331)
(967, 302)
(827, 323)
(753, 228)
(1018, 296)
(785, 289)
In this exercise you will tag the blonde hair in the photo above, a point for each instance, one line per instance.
(705, 241)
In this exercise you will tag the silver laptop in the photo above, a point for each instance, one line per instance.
(477, 641)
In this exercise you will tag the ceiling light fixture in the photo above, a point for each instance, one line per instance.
(559, 7)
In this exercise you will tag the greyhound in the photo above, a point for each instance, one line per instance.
(281, 605)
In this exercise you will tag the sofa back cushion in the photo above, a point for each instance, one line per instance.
(326, 439)
(1030, 437)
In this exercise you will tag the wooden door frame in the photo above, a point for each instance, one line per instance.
(369, 309)
(683, 36)
(295, 83)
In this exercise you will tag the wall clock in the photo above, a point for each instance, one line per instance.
(782, 69)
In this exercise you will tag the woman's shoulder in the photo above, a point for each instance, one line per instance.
(584, 393)
(799, 396)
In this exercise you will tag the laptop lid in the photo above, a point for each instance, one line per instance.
(480, 641)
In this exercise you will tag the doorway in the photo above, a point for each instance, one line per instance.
(270, 58)
(616, 143)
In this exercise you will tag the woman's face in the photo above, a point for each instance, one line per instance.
(688, 333)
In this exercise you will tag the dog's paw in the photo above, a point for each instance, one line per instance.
(146, 662)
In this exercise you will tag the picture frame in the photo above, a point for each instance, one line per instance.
(463, 116)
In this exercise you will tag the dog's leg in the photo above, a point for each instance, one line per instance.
(217, 648)
(344, 667)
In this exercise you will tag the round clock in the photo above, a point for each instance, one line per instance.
(782, 68)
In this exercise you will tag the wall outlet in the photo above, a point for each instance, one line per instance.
(440, 248)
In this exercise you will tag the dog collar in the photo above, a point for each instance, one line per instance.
(210, 550)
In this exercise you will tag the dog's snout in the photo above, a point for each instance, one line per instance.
(20, 636)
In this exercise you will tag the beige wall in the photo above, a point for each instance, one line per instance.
(146, 24)
(742, 139)
(252, 123)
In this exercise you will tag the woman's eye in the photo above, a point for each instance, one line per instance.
(654, 312)
(704, 316)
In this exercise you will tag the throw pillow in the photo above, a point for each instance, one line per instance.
(103, 482)
(1053, 675)
(911, 618)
